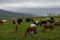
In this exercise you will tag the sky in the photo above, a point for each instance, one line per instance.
(15, 5)
(10, 4)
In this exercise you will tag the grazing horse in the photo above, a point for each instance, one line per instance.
(46, 26)
(28, 20)
(36, 22)
(15, 24)
(31, 29)
(51, 20)
(19, 21)
(43, 22)
(40, 22)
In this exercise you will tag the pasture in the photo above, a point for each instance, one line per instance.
(7, 31)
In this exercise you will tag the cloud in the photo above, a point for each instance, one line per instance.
(11, 4)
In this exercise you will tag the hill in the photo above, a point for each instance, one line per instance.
(9, 14)
(39, 11)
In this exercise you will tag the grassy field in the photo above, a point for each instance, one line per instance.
(7, 31)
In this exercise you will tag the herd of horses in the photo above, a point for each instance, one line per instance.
(48, 23)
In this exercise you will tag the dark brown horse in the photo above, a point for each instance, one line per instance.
(31, 30)
(48, 26)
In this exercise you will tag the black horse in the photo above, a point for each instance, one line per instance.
(28, 20)
(19, 21)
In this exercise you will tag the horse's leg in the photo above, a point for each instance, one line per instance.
(44, 29)
(35, 34)
(51, 27)
(31, 33)
(16, 30)
(26, 34)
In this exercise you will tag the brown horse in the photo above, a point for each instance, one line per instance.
(48, 26)
(31, 30)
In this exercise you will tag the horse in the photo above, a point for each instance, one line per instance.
(36, 22)
(28, 20)
(51, 20)
(19, 21)
(31, 29)
(40, 22)
(48, 26)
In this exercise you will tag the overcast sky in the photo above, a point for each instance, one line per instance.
(14, 5)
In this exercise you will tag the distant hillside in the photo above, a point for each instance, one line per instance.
(39, 11)
(8, 14)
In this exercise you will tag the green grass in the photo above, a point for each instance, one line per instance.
(7, 31)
